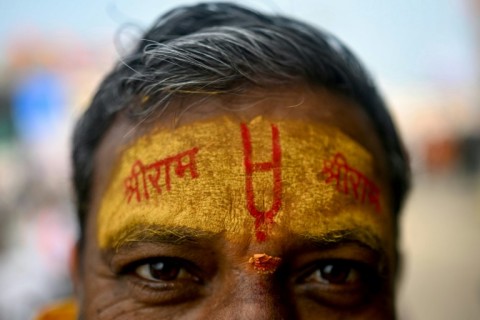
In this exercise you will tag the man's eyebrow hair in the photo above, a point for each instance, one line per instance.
(176, 235)
(357, 235)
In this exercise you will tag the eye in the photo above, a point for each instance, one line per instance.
(163, 280)
(164, 270)
(339, 283)
(338, 273)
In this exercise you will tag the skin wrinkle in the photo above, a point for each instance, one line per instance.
(167, 206)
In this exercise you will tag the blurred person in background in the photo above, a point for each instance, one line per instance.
(236, 165)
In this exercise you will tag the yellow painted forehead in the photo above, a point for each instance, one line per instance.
(260, 177)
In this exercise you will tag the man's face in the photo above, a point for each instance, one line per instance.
(277, 208)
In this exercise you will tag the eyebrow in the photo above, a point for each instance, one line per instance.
(361, 236)
(358, 236)
(174, 235)
(132, 236)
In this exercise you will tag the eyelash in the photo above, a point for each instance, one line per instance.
(176, 262)
(174, 270)
(364, 270)
(162, 291)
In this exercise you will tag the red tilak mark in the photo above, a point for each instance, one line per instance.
(141, 175)
(263, 219)
(263, 263)
(348, 179)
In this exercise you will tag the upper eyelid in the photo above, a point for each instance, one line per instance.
(348, 251)
(182, 263)
(368, 277)
(145, 251)
(314, 265)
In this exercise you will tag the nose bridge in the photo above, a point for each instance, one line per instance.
(253, 297)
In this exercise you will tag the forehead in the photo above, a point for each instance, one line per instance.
(296, 102)
(206, 163)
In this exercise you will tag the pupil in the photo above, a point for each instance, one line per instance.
(335, 274)
(164, 271)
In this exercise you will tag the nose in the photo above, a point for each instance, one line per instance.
(252, 297)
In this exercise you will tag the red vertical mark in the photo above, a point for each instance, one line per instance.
(263, 219)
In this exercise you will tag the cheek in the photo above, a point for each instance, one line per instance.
(381, 308)
(108, 298)
(104, 304)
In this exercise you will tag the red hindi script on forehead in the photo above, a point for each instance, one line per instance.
(350, 181)
(142, 176)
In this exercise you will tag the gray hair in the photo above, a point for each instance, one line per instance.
(229, 59)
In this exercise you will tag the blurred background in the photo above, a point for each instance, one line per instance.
(425, 56)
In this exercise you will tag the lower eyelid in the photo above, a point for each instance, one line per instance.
(152, 285)
(159, 292)
(142, 271)
(343, 295)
